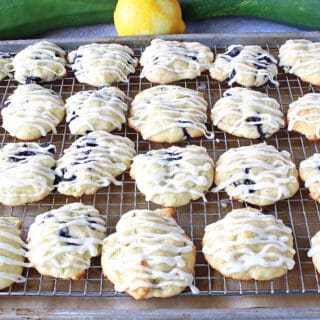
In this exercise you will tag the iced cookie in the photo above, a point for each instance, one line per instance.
(32, 111)
(249, 66)
(62, 241)
(40, 62)
(304, 116)
(101, 64)
(309, 171)
(247, 113)
(12, 252)
(26, 172)
(249, 245)
(169, 113)
(302, 58)
(149, 255)
(6, 67)
(172, 177)
(102, 109)
(92, 162)
(258, 174)
(168, 61)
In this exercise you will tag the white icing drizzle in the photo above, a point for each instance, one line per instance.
(175, 106)
(315, 245)
(26, 170)
(236, 251)
(41, 58)
(248, 60)
(10, 232)
(32, 106)
(312, 162)
(108, 58)
(161, 54)
(245, 103)
(94, 159)
(143, 246)
(106, 105)
(304, 56)
(276, 174)
(50, 242)
(177, 171)
(297, 112)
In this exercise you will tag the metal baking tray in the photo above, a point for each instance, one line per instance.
(299, 212)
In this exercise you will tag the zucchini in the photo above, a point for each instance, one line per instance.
(28, 18)
(305, 13)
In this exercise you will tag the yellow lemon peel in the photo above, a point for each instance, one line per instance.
(148, 17)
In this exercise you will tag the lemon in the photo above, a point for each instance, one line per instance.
(148, 17)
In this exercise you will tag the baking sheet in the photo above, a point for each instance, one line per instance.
(300, 213)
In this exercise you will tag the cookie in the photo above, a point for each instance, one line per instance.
(149, 255)
(309, 171)
(92, 162)
(12, 252)
(314, 251)
(100, 64)
(6, 66)
(168, 61)
(26, 172)
(32, 111)
(40, 62)
(249, 66)
(304, 116)
(249, 245)
(247, 113)
(172, 177)
(302, 58)
(258, 174)
(62, 241)
(102, 109)
(168, 113)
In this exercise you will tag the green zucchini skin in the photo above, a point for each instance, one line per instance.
(29, 18)
(26, 18)
(304, 13)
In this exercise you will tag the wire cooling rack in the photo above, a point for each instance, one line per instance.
(300, 212)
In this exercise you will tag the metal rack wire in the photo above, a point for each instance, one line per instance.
(300, 212)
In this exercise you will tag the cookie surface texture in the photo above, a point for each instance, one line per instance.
(247, 244)
(302, 58)
(12, 252)
(304, 116)
(26, 172)
(92, 162)
(258, 174)
(102, 109)
(40, 62)
(168, 61)
(99, 64)
(309, 171)
(247, 113)
(168, 113)
(62, 241)
(32, 111)
(249, 66)
(149, 255)
(172, 177)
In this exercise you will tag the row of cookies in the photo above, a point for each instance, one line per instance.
(163, 113)
(163, 62)
(258, 174)
(149, 255)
